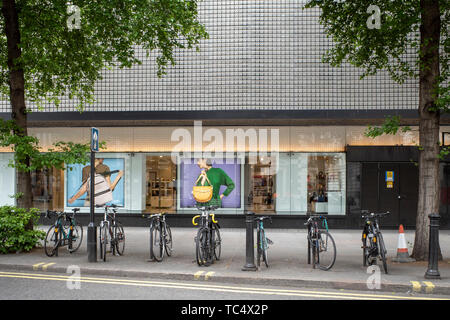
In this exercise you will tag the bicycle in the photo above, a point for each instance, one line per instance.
(375, 248)
(111, 232)
(262, 241)
(320, 243)
(160, 237)
(208, 241)
(65, 231)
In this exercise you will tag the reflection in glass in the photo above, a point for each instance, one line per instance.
(47, 187)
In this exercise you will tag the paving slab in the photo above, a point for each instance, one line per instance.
(287, 258)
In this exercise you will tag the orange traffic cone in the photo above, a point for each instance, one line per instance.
(402, 249)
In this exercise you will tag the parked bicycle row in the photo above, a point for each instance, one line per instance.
(66, 231)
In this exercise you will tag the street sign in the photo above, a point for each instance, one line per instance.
(94, 140)
(389, 178)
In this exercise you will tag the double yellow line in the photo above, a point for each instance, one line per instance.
(209, 287)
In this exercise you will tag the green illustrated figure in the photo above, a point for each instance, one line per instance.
(217, 177)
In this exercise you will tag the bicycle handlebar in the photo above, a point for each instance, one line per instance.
(198, 216)
(49, 213)
(151, 216)
(314, 217)
(264, 218)
(201, 207)
(374, 214)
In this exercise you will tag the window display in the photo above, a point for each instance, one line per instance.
(326, 183)
(190, 171)
(262, 185)
(161, 175)
(47, 189)
(109, 171)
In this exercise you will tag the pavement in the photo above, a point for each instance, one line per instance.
(287, 259)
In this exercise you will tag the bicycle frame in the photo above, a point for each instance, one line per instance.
(371, 227)
(260, 227)
(60, 230)
(375, 248)
(211, 226)
(314, 234)
(109, 220)
(161, 220)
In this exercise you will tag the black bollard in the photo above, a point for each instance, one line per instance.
(250, 243)
(433, 271)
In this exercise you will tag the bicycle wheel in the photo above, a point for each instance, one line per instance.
(365, 250)
(156, 242)
(119, 238)
(382, 251)
(313, 245)
(217, 243)
(264, 247)
(326, 250)
(201, 247)
(308, 238)
(258, 248)
(103, 235)
(51, 242)
(168, 240)
(77, 236)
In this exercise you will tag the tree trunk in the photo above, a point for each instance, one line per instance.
(428, 127)
(17, 93)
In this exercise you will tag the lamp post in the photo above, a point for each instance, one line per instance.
(92, 229)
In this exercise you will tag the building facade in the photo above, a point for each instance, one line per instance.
(257, 99)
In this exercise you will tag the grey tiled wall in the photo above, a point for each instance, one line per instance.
(261, 54)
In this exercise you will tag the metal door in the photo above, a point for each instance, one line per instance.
(408, 193)
(389, 177)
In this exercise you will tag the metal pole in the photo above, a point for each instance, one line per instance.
(250, 243)
(433, 271)
(92, 229)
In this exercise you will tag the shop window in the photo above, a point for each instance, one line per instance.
(261, 187)
(47, 187)
(161, 184)
(326, 183)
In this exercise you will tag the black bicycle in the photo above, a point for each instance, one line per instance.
(372, 240)
(65, 231)
(262, 241)
(208, 241)
(320, 243)
(111, 231)
(160, 237)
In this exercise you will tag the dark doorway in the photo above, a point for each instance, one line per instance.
(391, 187)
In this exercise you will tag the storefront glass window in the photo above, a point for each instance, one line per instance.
(326, 183)
(261, 185)
(161, 175)
(47, 188)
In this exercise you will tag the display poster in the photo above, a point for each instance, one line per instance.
(189, 172)
(112, 178)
